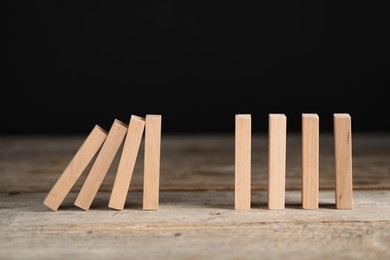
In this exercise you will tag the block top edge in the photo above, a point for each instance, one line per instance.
(311, 115)
(277, 115)
(134, 117)
(153, 116)
(116, 121)
(243, 115)
(101, 129)
(341, 115)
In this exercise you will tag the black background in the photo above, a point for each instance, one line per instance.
(72, 65)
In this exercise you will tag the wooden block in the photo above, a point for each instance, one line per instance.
(343, 160)
(75, 168)
(127, 163)
(277, 161)
(102, 164)
(152, 162)
(242, 188)
(310, 161)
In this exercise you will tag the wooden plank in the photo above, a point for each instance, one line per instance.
(101, 165)
(310, 161)
(152, 162)
(75, 168)
(198, 225)
(242, 190)
(343, 160)
(127, 163)
(277, 161)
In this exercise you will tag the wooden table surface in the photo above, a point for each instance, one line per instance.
(196, 219)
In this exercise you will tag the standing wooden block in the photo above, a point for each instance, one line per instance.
(343, 160)
(101, 165)
(242, 190)
(310, 161)
(152, 162)
(277, 161)
(127, 163)
(75, 168)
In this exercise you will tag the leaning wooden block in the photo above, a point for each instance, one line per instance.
(101, 165)
(242, 187)
(75, 168)
(310, 161)
(343, 160)
(152, 162)
(277, 161)
(127, 163)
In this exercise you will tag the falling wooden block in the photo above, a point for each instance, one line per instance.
(75, 168)
(101, 165)
(310, 161)
(277, 161)
(152, 162)
(343, 160)
(242, 190)
(127, 163)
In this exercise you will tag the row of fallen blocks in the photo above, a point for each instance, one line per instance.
(310, 161)
(106, 146)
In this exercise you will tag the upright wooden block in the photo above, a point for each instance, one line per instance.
(152, 162)
(277, 161)
(310, 161)
(101, 165)
(75, 168)
(343, 160)
(127, 163)
(242, 190)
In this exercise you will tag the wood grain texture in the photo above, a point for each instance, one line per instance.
(310, 161)
(101, 165)
(343, 160)
(127, 163)
(152, 162)
(243, 153)
(75, 168)
(196, 225)
(277, 161)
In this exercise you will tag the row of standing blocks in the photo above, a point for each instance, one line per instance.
(310, 161)
(106, 145)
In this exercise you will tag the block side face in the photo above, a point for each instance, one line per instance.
(152, 162)
(343, 162)
(277, 161)
(243, 163)
(310, 162)
(126, 164)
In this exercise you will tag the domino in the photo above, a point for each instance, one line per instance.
(75, 168)
(152, 162)
(242, 190)
(343, 160)
(127, 163)
(101, 165)
(310, 161)
(277, 161)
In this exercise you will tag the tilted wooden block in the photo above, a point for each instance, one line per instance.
(310, 161)
(127, 163)
(101, 165)
(242, 190)
(152, 162)
(75, 168)
(277, 161)
(343, 160)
